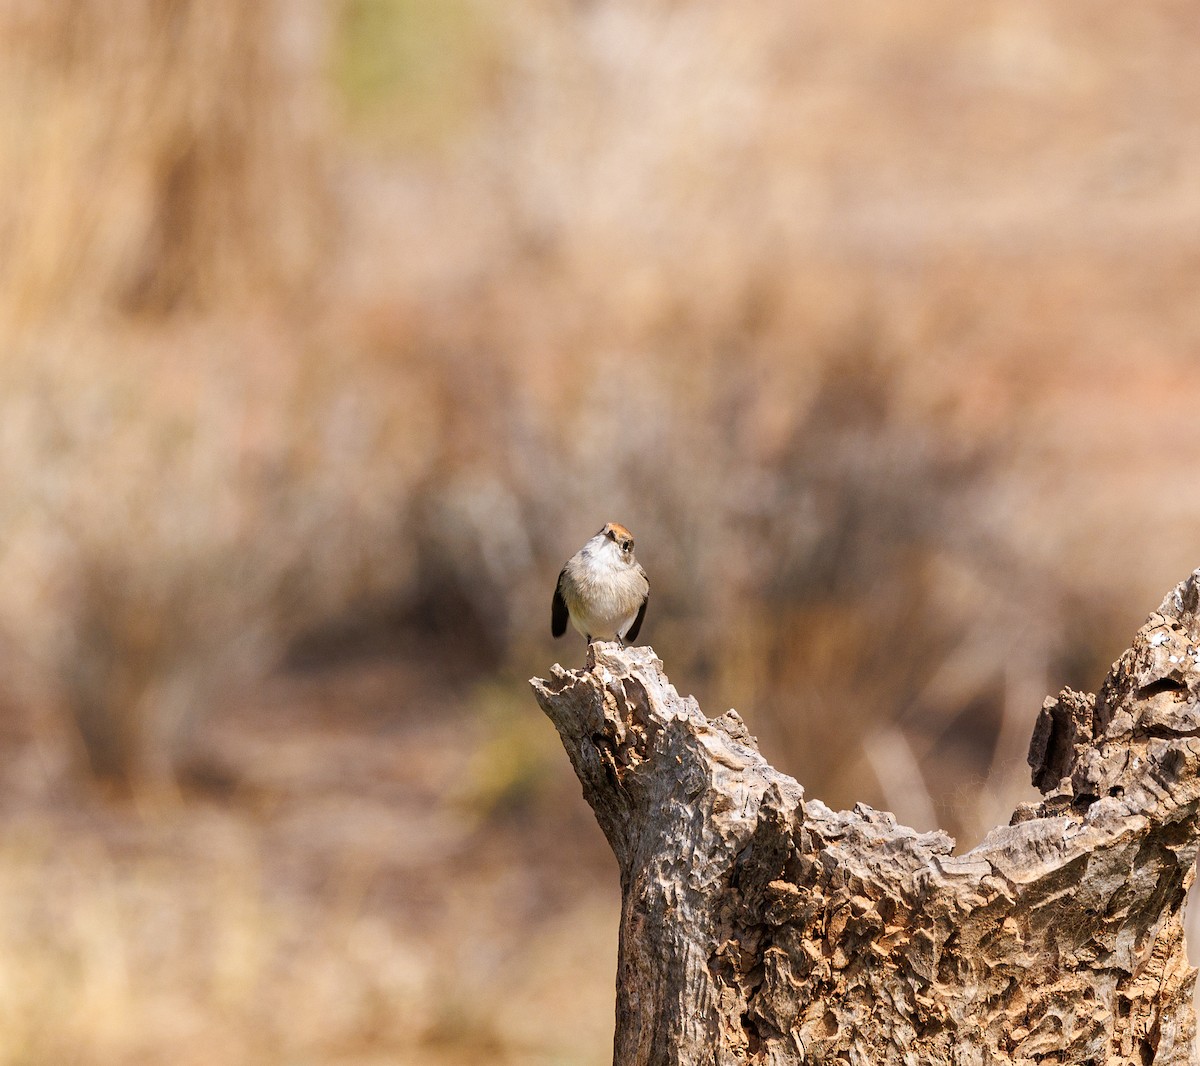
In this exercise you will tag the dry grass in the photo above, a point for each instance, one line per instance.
(337, 328)
(157, 157)
(303, 917)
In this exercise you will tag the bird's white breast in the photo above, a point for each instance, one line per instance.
(602, 590)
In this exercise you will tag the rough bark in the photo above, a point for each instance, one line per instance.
(759, 926)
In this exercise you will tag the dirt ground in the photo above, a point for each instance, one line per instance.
(340, 883)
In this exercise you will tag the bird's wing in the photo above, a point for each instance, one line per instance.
(558, 609)
(632, 632)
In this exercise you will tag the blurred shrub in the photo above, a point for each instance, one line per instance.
(158, 156)
(654, 280)
(169, 524)
(170, 518)
(412, 74)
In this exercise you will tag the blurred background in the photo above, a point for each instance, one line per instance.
(331, 328)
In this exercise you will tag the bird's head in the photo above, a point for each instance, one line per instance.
(617, 541)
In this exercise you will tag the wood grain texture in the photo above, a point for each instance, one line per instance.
(759, 926)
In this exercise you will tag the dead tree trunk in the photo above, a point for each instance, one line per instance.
(758, 926)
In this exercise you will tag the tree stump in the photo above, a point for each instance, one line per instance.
(759, 926)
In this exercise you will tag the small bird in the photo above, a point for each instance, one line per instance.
(602, 589)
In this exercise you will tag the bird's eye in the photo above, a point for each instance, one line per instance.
(626, 545)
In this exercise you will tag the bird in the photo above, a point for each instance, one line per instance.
(602, 589)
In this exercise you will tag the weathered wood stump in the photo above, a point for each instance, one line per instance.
(758, 926)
